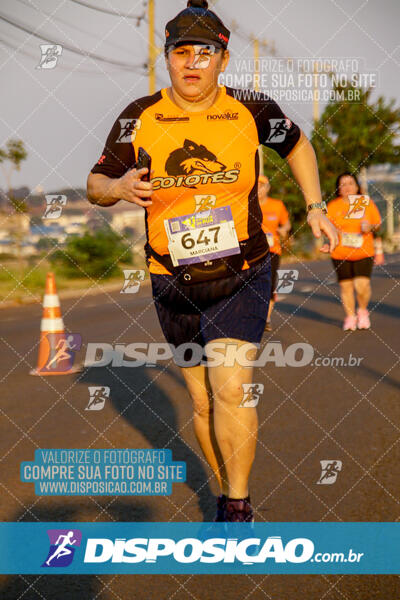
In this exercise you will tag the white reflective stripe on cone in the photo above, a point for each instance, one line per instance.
(52, 325)
(50, 300)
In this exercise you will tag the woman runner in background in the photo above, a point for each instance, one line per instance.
(207, 254)
(356, 217)
(276, 225)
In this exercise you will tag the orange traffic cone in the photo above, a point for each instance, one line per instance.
(56, 348)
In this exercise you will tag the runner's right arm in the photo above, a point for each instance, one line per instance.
(114, 177)
(106, 191)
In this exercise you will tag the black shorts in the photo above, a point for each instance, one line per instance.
(275, 262)
(199, 314)
(348, 269)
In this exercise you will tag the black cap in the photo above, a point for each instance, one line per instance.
(196, 24)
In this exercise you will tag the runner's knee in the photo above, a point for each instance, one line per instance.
(202, 404)
(362, 285)
(347, 285)
(231, 392)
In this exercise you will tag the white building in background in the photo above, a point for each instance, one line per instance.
(16, 223)
(133, 218)
(15, 235)
(72, 221)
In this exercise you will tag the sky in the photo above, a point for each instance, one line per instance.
(64, 114)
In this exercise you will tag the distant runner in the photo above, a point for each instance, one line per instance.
(276, 225)
(357, 218)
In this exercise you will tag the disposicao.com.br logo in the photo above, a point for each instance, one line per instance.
(245, 551)
(200, 548)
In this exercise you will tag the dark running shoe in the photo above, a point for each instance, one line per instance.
(239, 511)
(221, 504)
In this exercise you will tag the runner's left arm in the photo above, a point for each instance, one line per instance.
(279, 133)
(303, 164)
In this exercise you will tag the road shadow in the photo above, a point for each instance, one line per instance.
(286, 308)
(313, 295)
(383, 308)
(375, 305)
(376, 375)
(148, 409)
(63, 587)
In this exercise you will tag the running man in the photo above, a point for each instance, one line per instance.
(98, 397)
(276, 226)
(63, 347)
(357, 218)
(62, 549)
(210, 275)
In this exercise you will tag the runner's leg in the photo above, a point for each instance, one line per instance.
(363, 291)
(270, 309)
(275, 263)
(235, 427)
(199, 388)
(347, 295)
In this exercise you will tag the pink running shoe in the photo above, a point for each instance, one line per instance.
(363, 320)
(350, 323)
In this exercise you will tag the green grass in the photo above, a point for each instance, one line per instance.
(27, 282)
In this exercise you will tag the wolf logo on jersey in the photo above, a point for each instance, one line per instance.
(192, 159)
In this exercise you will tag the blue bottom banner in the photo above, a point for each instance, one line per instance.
(195, 548)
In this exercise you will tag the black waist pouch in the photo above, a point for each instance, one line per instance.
(254, 250)
(198, 296)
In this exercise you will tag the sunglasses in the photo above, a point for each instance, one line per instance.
(201, 53)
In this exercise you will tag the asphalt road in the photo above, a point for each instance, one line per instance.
(306, 414)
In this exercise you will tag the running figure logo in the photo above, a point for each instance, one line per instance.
(279, 129)
(204, 202)
(128, 130)
(50, 54)
(329, 471)
(132, 281)
(251, 394)
(61, 351)
(55, 204)
(286, 280)
(98, 397)
(357, 206)
(62, 547)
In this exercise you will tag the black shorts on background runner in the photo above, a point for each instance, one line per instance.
(348, 269)
(200, 313)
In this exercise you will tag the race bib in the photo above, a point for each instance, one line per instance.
(201, 236)
(270, 239)
(352, 240)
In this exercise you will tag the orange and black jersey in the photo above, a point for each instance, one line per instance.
(201, 160)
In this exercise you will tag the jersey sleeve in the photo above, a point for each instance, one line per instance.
(284, 215)
(118, 155)
(274, 128)
(276, 131)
